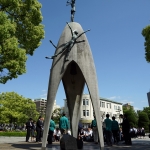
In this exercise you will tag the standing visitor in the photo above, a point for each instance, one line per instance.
(28, 128)
(95, 130)
(126, 129)
(108, 124)
(115, 130)
(33, 128)
(38, 129)
(51, 131)
(63, 124)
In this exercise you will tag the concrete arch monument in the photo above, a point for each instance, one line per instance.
(74, 73)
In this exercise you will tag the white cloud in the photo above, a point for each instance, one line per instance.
(43, 95)
(114, 97)
(44, 90)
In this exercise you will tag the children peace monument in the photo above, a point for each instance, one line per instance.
(73, 64)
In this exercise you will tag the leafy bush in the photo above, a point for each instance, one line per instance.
(13, 134)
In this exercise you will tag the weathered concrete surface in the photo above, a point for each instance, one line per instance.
(68, 142)
(80, 61)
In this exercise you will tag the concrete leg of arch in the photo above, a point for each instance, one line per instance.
(75, 73)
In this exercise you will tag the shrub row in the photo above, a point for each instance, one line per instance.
(13, 134)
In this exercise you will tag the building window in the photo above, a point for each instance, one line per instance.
(87, 112)
(83, 101)
(115, 107)
(100, 104)
(103, 104)
(119, 108)
(84, 113)
(107, 105)
(110, 105)
(87, 102)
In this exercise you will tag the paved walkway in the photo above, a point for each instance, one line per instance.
(17, 143)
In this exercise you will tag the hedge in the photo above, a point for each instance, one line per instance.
(13, 134)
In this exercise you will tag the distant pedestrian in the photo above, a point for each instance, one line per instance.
(115, 130)
(63, 124)
(28, 128)
(39, 129)
(51, 131)
(33, 128)
(95, 130)
(108, 131)
(126, 129)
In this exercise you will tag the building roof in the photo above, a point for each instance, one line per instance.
(104, 99)
(108, 100)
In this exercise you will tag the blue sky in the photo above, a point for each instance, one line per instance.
(116, 42)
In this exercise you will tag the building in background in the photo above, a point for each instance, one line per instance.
(148, 96)
(128, 106)
(41, 105)
(106, 107)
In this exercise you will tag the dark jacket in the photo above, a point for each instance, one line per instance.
(28, 125)
(39, 125)
(125, 125)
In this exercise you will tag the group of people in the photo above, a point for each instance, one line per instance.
(137, 132)
(34, 129)
(55, 134)
(111, 131)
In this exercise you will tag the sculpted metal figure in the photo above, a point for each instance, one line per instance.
(72, 3)
(70, 44)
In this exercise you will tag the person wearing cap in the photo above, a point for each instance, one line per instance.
(63, 124)
(28, 128)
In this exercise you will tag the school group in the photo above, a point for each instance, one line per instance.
(111, 131)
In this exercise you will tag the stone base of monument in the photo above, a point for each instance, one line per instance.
(68, 142)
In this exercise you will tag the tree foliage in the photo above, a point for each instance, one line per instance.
(20, 34)
(132, 116)
(16, 108)
(147, 110)
(146, 34)
(143, 120)
(56, 115)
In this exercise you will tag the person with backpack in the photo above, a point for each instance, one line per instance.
(95, 130)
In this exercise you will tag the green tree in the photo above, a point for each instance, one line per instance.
(146, 34)
(20, 34)
(132, 116)
(56, 115)
(147, 110)
(143, 120)
(16, 108)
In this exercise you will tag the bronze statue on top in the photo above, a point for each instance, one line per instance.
(72, 3)
(70, 44)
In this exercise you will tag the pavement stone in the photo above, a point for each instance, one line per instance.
(18, 143)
